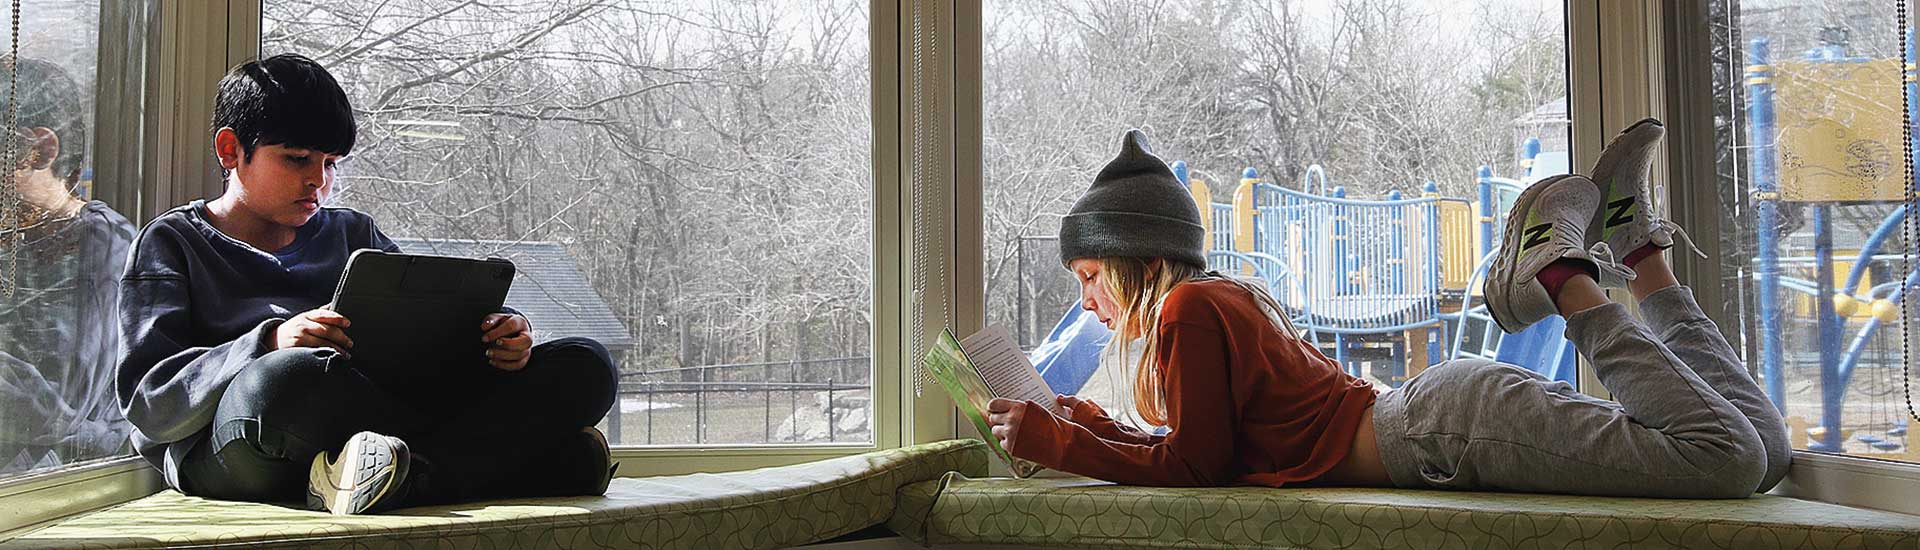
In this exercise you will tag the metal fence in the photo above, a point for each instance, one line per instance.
(722, 399)
(1045, 290)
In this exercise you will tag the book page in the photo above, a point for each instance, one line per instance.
(1006, 369)
(949, 366)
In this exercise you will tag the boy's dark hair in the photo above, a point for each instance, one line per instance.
(286, 100)
(49, 98)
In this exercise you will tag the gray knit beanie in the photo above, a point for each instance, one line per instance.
(1135, 208)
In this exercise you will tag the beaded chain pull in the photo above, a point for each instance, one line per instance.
(1909, 302)
(12, 218)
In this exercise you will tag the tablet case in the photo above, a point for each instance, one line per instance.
(416, 318)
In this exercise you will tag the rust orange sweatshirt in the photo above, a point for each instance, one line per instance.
(1246, 404)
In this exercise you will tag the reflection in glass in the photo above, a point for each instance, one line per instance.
(1811, 145)
(61, 256)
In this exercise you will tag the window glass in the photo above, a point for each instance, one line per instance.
(1271, 108)
(686, 181)
(1810, 141)
(60, 252)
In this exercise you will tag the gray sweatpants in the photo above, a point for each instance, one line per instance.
(1689, 422)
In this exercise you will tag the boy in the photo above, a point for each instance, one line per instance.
(239, 381)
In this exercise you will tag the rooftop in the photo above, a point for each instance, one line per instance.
(548, 288)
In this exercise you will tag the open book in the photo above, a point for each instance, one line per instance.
(984, 366)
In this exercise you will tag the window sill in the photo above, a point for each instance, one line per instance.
(32, 501)
(1853, 481)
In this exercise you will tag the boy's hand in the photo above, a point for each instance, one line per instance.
(318, 328)
(1004, 416)
(509, 340)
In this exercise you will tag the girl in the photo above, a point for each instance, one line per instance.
(1247, 402)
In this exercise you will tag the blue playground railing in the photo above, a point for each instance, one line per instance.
(1358, 273)
(1222, 225)
(1360, 267)
(1222, 228)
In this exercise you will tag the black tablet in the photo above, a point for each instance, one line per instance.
(417, 317)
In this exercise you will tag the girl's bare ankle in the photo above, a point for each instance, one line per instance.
(1651, 274)
(1579, 294)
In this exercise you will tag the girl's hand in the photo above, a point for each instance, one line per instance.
(317, 328)
(1071, 405)
(509, 340)
(1004, 416)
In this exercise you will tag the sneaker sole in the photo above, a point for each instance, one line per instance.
(1615, 142)
(1597, 229)
(337, 486)
(1643, 122)
(1509, 257)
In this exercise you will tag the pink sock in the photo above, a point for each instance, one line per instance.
(1640, 254)
(1556, 274)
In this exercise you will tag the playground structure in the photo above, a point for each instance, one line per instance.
(1389, 282)
(1825, 137)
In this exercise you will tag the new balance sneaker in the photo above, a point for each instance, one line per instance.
(1548, 223)
(1625, 219)
(367, 476)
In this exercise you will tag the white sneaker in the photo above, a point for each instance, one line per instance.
(1548, 222)
(367, 476)
(1625, 219)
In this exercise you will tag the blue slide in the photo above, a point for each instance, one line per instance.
(1071, 353)
(1541, 348)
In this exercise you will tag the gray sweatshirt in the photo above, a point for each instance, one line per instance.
(196, 306)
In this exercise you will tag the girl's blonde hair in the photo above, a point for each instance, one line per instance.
(1139, 287)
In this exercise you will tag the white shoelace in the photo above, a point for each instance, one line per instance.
(1674, 229)
(1602, 257)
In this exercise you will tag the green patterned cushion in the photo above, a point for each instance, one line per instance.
(1084, 513)
(766, 508)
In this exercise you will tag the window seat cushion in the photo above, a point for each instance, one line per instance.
(1085, 513)
(765, 508)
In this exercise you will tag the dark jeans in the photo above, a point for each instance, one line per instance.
(492, 435)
